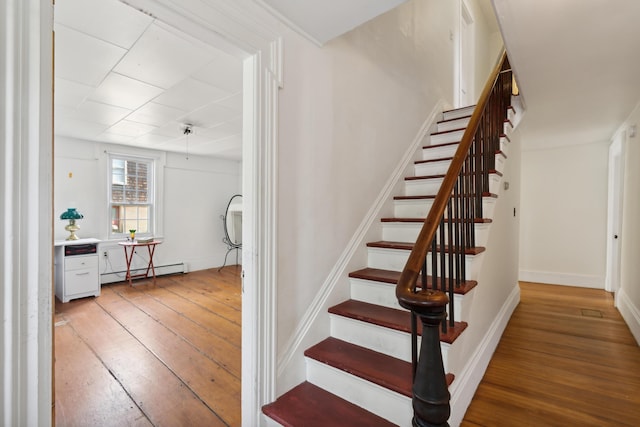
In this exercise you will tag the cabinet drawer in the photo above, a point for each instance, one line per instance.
(81, 281)
(81, 262)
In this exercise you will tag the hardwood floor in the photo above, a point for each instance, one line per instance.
(566, 358)
(164, 354)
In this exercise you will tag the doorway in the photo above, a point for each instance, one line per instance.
(466, 72)
(261, 53)
(614, 211)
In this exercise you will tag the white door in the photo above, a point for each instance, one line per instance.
(614, 212)
(467, 60)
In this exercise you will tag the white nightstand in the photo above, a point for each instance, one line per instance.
(76, 269)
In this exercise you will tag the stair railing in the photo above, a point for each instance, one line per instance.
(448, 235)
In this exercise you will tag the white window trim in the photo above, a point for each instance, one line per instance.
(151, 200)
(159, 159)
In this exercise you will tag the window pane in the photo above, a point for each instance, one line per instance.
(131, 195)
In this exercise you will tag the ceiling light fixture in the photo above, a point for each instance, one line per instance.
(187, 130)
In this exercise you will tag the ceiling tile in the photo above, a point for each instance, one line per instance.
(96, 112)
(79, 128)
(83, 59)
(224, 130)
(108, 20)
(224, 72)
(191, 94)
(233, 102)
(171, 129)
(152, 139)
(114, 138)
(209, 116)
(129, 128)
(123, 91)
(155, 114)
(70, 94)
(162, 59)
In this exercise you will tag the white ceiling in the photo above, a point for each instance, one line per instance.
(324, 20)
(122, 77)
(578, 66)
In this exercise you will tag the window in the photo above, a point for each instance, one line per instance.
(131, 201)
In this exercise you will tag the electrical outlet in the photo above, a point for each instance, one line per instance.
(104, 254)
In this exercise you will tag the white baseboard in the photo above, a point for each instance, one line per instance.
(630, 313)
(464, 386)
(553, 278)
(161, 270)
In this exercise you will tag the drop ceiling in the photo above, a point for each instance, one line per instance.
(123, 77)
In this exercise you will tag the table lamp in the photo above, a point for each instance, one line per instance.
(72, 214)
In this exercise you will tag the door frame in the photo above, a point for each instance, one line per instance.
(249, 32)
(614, 211)
(26, 53)
(465, 60)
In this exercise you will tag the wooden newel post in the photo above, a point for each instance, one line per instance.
(430, 392)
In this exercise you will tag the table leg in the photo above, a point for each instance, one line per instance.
(152, 249)
(128, 257)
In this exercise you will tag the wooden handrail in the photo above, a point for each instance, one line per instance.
(460, 196)
(405, 289)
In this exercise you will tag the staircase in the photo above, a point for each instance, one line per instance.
(362, 374)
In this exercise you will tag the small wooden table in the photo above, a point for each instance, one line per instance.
(128, 255)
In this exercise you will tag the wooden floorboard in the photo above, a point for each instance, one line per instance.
(566, 358)
(153, 354)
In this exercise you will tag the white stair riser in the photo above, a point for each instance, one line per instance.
(439, 152)
(378, 338)
(381, 401)
(422, 187)
(384, 294)
(420, 208)
(461, 112)
(396, 259)
(431, 168)
(428, 186)
(408, 232)
(500, 162)
(453, 124)
(444, 138)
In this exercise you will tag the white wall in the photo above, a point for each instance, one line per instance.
(564, 215)
(628, 297)
(348, 113)
(194, 194)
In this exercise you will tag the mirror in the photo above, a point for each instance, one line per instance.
(232, 224)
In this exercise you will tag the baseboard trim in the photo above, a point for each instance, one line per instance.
(630, 313)
(291, 348)
(566, 279)
(161, 270)
(465, 384)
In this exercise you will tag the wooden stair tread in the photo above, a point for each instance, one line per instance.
(385, 371)
(381, 369)
(426, 147)
(459, 108)
(421, 220)
(391, 277)
(457, 118)
(310, 406)
(441, 159)
(409, 246)
(433, 196)
(399, 320)
(448, 131)
(440, 176)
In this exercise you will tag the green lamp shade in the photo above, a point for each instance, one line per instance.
(71, 213)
